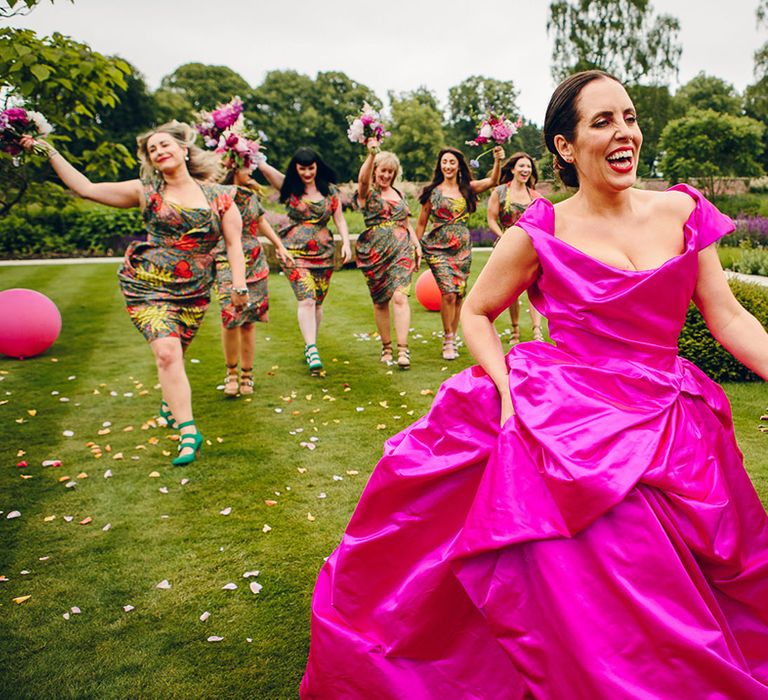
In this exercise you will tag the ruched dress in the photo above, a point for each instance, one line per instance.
(309, 241)
(605, 544)
(447, 246)
(166, 279)
(256, 267)
(384, 251)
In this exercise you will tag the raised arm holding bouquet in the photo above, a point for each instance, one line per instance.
(166, 279)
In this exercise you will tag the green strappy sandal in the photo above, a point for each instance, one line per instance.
(193, 441)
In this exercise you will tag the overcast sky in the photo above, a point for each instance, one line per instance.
(396, 45)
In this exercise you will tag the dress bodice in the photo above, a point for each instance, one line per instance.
(597, 310)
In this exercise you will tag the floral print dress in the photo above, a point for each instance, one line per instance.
(510, 212)
(447, 247)
(309, 241)
(384, 251)
(166, 279)
(256, 267)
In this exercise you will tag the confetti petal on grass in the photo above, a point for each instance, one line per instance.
(248, 639)
(270, 502)
(322, 494)
(214, 638)
(3, 579)
(255, 587)
(184, 481)
(336, 477)
(266, 528)
(69, 518)
(309, 445)
(107, 527)
(226, 511)
(352, 472)
(301, 470)
(24, 572)
(62, 479)
(70, 484)
(86, 521)
(311, 517)
(68, 433)
(13, 514)
(163, 489)
(229, 587)
(75, 610)
(66, 616)
(128, 608)
(164, 585)
(21, 599)
(154, 475)
(117, 455)
(278, 410)
(205, 616)
(49, 518)
(251, 574)
(82, 475)
(32, 412)
(108, 474)
(25, 476)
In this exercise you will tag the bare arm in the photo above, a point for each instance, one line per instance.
(123, 195)
(341, 227)
(366, 172)
(511, 269)
(421, 224)
(232, 228)
(273, 175)
(493, 214)
(486, 183)
(415, 242)
(738, 331)
(266, 230)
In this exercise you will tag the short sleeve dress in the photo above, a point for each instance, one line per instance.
(606, 543)
(384, 251)
(309, 241)
(256, 267)
(166, 279)
(510, 212)
(447, 246)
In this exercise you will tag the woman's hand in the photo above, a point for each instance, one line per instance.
(346, 252)
(417, 254)
(372, 144)
(239, 299)
(284, 256)
(498, 153)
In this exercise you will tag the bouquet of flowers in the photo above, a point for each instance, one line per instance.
(493, 128)
(365, 126)
(212, 125)
(239, 151)
(16, 122)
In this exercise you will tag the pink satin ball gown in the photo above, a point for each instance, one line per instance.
(606, 543)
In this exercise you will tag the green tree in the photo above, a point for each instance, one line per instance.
(707, 92)
(205, 86)
(471, 99)
(622, 37)
(530, 139)
(71, 85)
(654, 105)
(705, 146)
(171, 105)
(13, 8)
(417, 132)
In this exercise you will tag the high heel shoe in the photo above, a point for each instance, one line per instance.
(167, 416)
(403, 357)
(386, 353)
(514, 338)
(230, 381)
(312, 356)
(246, 380)
(537, 334)
(449, 347)
(188, 441)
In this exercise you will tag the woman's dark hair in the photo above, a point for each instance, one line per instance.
(293, 184)
(563, 116)
(463, 180)
(509, 166)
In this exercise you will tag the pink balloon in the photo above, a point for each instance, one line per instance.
(29, 323)
(427, 291)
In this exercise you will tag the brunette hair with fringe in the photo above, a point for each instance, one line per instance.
(562, 117)
(463, 180)
(509, 166)
(293, 184)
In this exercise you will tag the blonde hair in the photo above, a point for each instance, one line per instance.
(387, 158)
(202, 165)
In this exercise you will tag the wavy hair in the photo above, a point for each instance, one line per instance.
(463, 180)
(202, 165)
(509, 165)
(294, 185)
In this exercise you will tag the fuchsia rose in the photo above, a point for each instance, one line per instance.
(17, 114)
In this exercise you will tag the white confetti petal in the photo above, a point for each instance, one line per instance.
(63, 399)
(54, 393)
(336, 477)
(214, 638)
(72, 377)
(195, 361)
(69, 518)
(128, 608)
(107, 527)
(163, 489)
(322, 494)
(68, 433)
(66, 616)
(226, 511)
(266, 528)
(43, 558)
(229, 587)
(251, 574)
(24, 572)
(108, 474)
(75, 610)
(255, 587)
(248, 639)
(205, 616)
(106, 424)
(278, 410)
(70, 484)
(184, 481)
(13, 514)
(314, 439)
(163, 585)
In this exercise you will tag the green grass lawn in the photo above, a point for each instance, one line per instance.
(253, 454)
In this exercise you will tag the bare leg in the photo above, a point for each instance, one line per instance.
(307, 314)
(381, 316)
(230, 341)
(448, 314)
(536, 323)
(401, 310)
(177, 393)
(514, 317)
(247, 344)
(318, 318)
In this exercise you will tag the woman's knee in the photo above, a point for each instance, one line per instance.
(167, 354)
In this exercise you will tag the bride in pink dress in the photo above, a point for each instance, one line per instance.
(571, 521)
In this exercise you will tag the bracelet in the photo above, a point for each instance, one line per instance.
(240, 290)
(51, 151)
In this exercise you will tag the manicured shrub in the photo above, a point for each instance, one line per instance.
(697, 344)
(752, 262)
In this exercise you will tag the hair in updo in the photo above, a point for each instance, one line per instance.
(202, 165)
(563, 116)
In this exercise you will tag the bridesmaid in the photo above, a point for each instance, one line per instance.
(387, 251)
(311, 201)
(166, 279)
(506, 205)
(238, 333)
(448, 201)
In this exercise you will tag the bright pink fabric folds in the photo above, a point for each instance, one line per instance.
(606, 543)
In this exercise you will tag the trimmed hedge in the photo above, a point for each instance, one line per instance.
(48, 232)
(697, 344)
